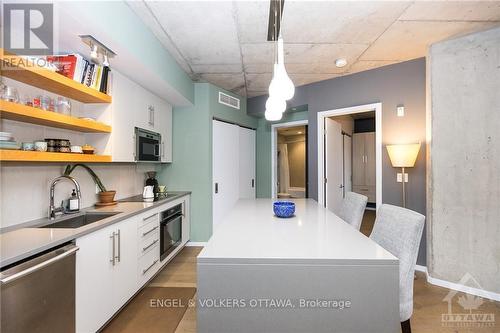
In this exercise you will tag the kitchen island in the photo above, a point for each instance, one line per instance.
(309, 273)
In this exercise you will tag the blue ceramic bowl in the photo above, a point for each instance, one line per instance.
(284, 208)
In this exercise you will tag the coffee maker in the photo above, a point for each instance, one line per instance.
(151, 181)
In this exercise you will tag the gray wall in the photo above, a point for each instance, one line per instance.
(464, 169)
(402, 83)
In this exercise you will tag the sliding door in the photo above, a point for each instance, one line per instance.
(225, 169)
(247, 163)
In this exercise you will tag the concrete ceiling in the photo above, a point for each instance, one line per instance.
(225, 42)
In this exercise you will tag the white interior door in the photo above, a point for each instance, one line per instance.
(347, 164)
(247, 163)
(225, 169)
(333, 164)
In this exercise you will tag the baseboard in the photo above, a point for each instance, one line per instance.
(421, 268)
(458, 287)
(202, 244)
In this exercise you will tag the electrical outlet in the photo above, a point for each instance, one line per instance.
(399, 177)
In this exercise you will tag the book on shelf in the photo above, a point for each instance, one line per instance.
(77, 68)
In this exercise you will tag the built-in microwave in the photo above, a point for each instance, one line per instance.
(147, 146)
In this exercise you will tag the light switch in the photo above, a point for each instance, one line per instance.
(399, 177)
(401, 111)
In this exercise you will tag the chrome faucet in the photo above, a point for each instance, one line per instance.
(52, 209)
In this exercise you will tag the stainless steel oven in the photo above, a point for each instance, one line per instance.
(170, 230)
(147, 145)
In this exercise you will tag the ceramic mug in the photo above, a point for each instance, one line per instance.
(41, 146)
(28, 146)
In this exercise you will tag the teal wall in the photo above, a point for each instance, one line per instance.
(118, 20)
(263, 168)
(191, 169)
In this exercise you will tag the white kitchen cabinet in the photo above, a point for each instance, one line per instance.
(126, 265)
(94, 280)
(363, 165)
(105, 269)
(164, 115)
(124, 106)
(133, 106)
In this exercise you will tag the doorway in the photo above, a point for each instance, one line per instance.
(350, 155)
(289, 160)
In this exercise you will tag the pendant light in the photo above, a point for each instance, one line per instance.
(281, 84)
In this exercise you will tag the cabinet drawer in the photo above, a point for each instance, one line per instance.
(369, 191)
(147, 229)
(148, 264)
(148, 244)
(146, 218)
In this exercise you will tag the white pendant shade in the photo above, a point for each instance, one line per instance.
(273, 115)
(281, 85)
(275, 104)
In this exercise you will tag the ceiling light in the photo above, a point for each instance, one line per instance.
(340, 62)
(299, 132)
(281, 85)
(275, 104)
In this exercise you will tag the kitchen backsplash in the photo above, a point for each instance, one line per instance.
(24, 191)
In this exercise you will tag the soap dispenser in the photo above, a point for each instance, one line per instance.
(73, 202)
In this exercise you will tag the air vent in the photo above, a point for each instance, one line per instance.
(228, 100)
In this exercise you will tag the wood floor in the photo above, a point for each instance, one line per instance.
(429, 303)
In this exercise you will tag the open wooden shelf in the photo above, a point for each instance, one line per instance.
(20, 69)
(36, 156)
(28, 114)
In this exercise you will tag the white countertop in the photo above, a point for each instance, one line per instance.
(251, 233)
(24, 242)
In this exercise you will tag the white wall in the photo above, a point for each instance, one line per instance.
(24, 188)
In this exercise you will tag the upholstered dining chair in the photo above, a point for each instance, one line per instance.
(353, 208)
(398, 230)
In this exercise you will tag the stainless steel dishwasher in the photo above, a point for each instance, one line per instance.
(38, 294)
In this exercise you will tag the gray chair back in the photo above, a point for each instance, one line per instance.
(353, 208)
(398, 230)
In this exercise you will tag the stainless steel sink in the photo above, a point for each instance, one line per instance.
(79, 220)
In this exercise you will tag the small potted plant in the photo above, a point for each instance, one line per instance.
(105, 197)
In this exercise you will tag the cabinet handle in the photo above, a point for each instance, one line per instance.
(119, 246)
(253, 183)
(149, 231)
(113, 254)
(149, 246)
(151, 115)
(216, 188)
(147, 218)
(144, 271)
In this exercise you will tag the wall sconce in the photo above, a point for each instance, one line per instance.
(97, 48)
(403, 156)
